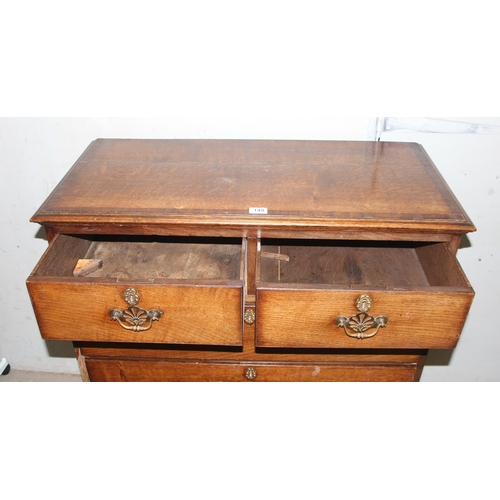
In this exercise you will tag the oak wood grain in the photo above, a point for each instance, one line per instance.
(419, 287)
(128, 370)
(336, 184)
(145, 258)
(339, 263)
(440, 267)
(171, 218)
(193, 314)
(307, 318)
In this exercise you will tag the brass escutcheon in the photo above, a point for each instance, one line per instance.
(250, 373)
(134, 318)
(361, 322)
(249, 316)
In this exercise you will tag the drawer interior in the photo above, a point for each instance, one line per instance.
(144, 258)
(359, 263)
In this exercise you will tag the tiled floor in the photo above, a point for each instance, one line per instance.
(25, 376)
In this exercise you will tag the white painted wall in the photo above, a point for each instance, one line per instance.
(35, 153)
(467, 153)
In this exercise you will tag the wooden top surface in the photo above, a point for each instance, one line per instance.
(332, 184)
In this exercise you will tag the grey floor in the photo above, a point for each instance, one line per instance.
(25, 376)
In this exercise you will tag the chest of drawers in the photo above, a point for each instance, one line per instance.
(234, 260)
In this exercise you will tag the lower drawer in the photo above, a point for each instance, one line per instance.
(140, 370)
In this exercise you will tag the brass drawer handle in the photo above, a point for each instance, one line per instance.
(135, 318)
(362, 322)
(251, 373)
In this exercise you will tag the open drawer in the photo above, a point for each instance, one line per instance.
(154, 290)
(317, 294)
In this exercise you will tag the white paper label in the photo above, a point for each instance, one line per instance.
(257, 210)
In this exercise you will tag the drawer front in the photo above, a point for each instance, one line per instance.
(186, 314)
(123, 370)
(309, 318)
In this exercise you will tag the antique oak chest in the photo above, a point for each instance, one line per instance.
(251, 260)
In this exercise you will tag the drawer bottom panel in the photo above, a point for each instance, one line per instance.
(141, 370)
